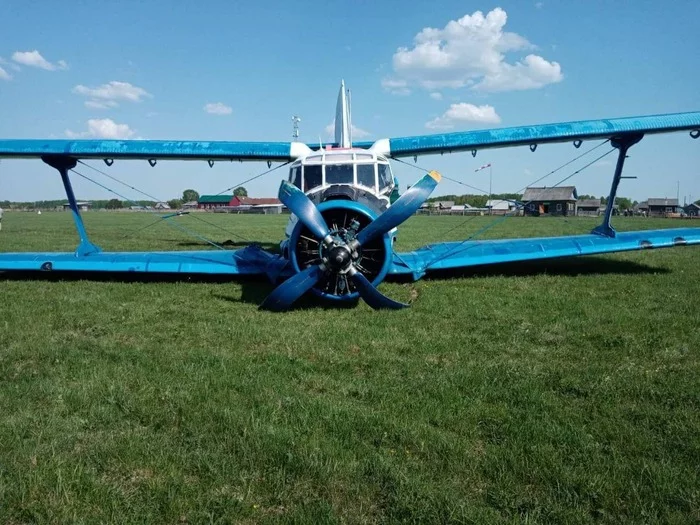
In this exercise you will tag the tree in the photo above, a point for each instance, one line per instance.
(240, 192)
(175, 204)
(624, 203)
(190, 195)
(114, 204)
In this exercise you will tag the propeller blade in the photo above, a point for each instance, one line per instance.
(301, 206)
(402, 209)
(290, 290)
(371, 295)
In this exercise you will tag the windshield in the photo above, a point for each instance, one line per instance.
(312, 176)
(385, 178)
(339, 174)
(295, 176)
(365, 175)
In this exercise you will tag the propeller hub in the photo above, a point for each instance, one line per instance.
(339, 258)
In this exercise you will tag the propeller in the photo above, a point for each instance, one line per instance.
(290, 290)
(370, 294)
(340, 256)
(299, 204)
(402, 209)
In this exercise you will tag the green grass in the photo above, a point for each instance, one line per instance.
(565, 392)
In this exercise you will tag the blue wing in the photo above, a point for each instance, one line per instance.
(251, 260)
(152, 149)
(538, 134)
(449, 255)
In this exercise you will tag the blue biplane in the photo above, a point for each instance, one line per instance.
(339, 240)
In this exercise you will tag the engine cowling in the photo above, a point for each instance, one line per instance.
(344, 218)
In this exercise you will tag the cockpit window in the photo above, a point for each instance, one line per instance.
(295, 176)
(312, 176)
(339, 174)
(365, 175)
(385, 178)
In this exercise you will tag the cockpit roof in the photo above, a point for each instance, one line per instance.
(338, 155)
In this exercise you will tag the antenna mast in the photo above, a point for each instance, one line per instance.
(295, 127)
(350, 117)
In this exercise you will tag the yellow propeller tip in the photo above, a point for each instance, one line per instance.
(435, 175)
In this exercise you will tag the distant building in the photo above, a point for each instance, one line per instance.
(161, 206)
(641, 208)
(590, 207)
(189, 205)
(255, 201)
(233, 203)
(662, 207)
(692, 210)
(266, 205)
(82, 205)
(208, 202)
(443, 205)
(560, 200)
(499, 206)
(461, 208)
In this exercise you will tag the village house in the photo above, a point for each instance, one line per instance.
(499, 206)
(692, 210)
(588, 207)
(662, 207)
(560, 200)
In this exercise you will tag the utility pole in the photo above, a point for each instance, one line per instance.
(490, 192)
(490, 182)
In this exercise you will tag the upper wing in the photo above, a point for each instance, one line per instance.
(448, 255)
(539, 134)
(152, 149)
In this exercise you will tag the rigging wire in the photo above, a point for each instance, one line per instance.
(121, 182)
(460, 225)
(160, 200)
(255, 177)
(166, 219)
(520, 206)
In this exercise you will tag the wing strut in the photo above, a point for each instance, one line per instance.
(622, 143)
(63, 164)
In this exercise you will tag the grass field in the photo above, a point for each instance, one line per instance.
(566, 392)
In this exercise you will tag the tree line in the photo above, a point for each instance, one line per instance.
(188, 195)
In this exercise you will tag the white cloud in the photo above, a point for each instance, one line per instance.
(218, 108)
(395, 87)
(357, 133)
(34, 59)
(104, 129)
(435, 95)
(96, 104)
(531, 73)
(471, 52)
(107, 95)
(463, 112)
(4, 75)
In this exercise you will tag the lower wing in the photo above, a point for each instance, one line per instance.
(251, 260)
(449, 255)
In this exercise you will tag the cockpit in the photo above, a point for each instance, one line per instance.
(327, 168)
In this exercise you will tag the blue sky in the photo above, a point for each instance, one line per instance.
(223, 70)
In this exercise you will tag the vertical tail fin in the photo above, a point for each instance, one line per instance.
(343, 128)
